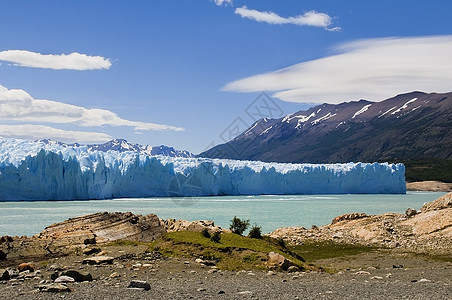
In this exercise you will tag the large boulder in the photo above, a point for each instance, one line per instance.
(104, 227)
(277, 260)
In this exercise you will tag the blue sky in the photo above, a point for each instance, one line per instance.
(182, 73)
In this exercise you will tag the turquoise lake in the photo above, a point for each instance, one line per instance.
(269, 212)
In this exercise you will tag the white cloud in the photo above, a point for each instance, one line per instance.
(310, 18)
(38, 132)
(373, 69)
(221, 2)
(19, 106)
(73, 61)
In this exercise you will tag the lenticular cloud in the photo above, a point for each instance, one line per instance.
(372, 69)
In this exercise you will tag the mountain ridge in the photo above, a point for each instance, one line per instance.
(122, 145)
(405, 127)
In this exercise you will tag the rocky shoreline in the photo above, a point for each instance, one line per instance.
(97, 257)
(426, 231)
(429, 186)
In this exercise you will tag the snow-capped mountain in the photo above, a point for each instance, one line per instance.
(404, 127)
(121, 145)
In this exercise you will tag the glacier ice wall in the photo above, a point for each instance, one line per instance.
(36, 171)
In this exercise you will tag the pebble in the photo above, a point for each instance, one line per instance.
(97, 260)
(64, 279)
(243, 293)
(362, 273)
(138, 284)
(54, 288)
(114, 275)
(270, 273)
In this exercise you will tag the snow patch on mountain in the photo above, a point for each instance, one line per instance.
(366, 107)
(403, 106)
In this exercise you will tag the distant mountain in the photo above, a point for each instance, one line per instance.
(403, 128)
(122, 145)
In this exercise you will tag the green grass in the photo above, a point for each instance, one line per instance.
(233, 252)
(312, 252)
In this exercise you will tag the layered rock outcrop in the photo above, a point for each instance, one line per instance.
(429, 230)
(105, 227)
(82, 231)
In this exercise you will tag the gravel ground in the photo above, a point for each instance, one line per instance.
(377, 275)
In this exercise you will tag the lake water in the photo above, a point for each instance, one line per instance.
(270, 212)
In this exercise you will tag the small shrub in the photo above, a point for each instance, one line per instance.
(216, 236)
(239, 226)
(205, 233)
(255, 232)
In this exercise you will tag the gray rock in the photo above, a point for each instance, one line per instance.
(410, 212)
(293, 269)
(97, 260)
(78, 275)
(278, 260)
(63, 279)
(138, 284)
(90, 251)
(2, 255)
(54, 288)
(55, 268)
(13, 272)
(245, 293)
(4, 274)
(54, 275)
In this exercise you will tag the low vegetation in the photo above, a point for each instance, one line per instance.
(426, 169)
(313, 251)
(232, 252)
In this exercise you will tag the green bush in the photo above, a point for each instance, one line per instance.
(216, 236)
(205, 233)
(255, 232)
(239, 226)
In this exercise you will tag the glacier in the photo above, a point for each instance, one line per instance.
(42, 171)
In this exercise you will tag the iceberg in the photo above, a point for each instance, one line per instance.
(39, 171)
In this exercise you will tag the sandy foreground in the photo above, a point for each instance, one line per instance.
(383, 274)
(412, 260)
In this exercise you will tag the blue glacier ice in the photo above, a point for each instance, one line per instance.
(39, 171)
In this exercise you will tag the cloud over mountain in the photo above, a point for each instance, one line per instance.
(372, 69)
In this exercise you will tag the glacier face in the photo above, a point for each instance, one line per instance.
(40, 171)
